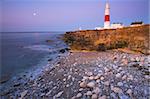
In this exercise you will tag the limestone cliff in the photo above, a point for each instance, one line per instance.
(134, 38)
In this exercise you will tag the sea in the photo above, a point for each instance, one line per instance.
(25, 52)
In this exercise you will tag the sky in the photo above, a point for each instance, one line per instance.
(67, 15)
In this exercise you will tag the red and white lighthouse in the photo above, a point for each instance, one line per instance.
(107, 16)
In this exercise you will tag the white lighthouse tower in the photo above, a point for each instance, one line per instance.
(107, 16)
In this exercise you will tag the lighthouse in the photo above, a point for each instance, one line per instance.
(107, 16)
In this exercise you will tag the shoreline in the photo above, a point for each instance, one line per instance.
(111, 74)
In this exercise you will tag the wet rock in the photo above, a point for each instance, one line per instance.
(88, 93)
(79, 95)
(83, 84)
(50, 59)
(17, 84)
(91, 84)
(23, 94)
(62, 51)
(94, 96)
(59, 94)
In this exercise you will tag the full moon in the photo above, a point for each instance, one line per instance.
(34, 14)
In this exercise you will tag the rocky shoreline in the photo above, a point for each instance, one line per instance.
(88, 75)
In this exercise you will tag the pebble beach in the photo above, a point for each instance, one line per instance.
(87, 75)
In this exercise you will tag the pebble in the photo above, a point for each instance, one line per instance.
(89, 73)
(98, 81)
(80, 89)
(83, 84)
(129, 91)
(79, 95)
(106, 83)
(120, 84)
(116, 90)
(130, 77)
(23, 94)
(59, 94)
(91, 84)
(96, 90)
(118, 75)
(94, 96)
(91, 77)
(88, 93)
(106, 69)
(96, 77)
(102, 78)
(124, 77)
(103, 97)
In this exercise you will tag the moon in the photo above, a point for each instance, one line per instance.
(34, 14)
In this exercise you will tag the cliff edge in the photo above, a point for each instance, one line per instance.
(133, 38)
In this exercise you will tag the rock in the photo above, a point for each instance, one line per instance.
(96, 77)
(130, 77)
(96, 90)
(49, 41)
(69, 77)
(83, 84)
(124, 61)
(91, 84)
(48, 93)
(124, 77)
(89, 73)
(132, 59)
(106, 69)
(88, 93)
(98, 80)
(94, 96)
(67, 85)
(79, 95)
(17, 84)
(129, 91)
(106, 83)
(103, 97)
(116, 90)
(50, 59)
(62, 51)
(120, 84)
(102, 78)
(59, 94)
(118, 75)
(80, 89)
(91, 77)
(73, 97)
(23, 94)
(137, 59)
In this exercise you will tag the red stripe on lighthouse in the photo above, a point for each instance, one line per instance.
(107, 18)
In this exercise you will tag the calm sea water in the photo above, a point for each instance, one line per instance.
(23, 51)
